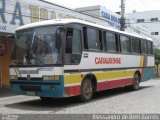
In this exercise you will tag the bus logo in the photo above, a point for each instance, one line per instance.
(28, 77)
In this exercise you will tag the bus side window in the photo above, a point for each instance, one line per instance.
(85, 38)
(101, 40)
(92, 39)
(73, 46)
(125, 44)
(135, 45)
(111, 40)
(144, 49)
(150, 47)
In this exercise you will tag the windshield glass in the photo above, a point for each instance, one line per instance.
(38, 46)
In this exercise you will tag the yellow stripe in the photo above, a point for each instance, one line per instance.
(141, 61)
(69, 79)
(113, 75)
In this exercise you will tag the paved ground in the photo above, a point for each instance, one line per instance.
(119, 101)
(5, 92)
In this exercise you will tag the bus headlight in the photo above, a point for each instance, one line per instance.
(54, 77)
(13, 77)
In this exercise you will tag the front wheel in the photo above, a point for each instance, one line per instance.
(86, 90)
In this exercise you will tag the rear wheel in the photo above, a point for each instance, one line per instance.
(136, 82)
(86, 90)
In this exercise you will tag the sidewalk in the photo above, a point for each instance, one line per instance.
(6, 92)
(156, 77)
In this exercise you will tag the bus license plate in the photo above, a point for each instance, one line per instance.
(31, 93)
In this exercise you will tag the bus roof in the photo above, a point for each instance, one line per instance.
(67, 21)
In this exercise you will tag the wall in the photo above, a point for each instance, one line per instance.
(5, 63)
(14, 13)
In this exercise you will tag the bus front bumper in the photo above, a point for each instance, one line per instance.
(42, 88)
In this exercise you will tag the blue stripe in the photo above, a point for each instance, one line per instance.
(148, 74)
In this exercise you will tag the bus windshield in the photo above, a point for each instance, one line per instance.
(38, 46)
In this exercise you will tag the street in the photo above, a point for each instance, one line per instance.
(117, 101)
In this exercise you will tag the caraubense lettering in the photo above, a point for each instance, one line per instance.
(105, 60)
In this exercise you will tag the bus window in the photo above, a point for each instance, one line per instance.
(125, 44)
(144, 47)
(150, 47)
(92, 39)
(111, 41)
(85, 44)
(73, 46)
(135, 45)
(100, 40)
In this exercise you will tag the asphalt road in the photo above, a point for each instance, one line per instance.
(117, 101)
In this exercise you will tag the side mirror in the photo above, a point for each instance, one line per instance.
(10, 36)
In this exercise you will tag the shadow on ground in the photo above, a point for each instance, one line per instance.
(61, 103)
(6, 92)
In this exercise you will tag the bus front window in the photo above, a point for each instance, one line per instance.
(38, 46)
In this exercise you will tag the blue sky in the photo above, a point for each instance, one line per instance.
(113, 5)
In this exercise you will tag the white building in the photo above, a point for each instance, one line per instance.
(112, 18)
(16, 13)
(147, 22)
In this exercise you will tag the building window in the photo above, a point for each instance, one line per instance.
(140, 20)
(154, 33)
(154, 19)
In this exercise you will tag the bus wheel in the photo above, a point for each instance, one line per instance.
(86, 90)
(136, 82)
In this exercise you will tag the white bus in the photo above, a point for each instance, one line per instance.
(62, 58)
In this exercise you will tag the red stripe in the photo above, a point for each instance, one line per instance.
(72, 90)
(114, 84)
(75, 90)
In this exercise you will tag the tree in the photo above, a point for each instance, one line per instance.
(157, 57)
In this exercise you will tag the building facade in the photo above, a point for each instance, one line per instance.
(15, 13)
(148, 22)
(103, 13)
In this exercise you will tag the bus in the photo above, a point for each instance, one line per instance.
(69, 57)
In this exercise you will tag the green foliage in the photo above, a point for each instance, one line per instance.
(157, 56)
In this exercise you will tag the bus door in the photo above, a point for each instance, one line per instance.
(73, 49)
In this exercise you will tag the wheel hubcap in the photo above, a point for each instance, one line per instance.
(87, 89)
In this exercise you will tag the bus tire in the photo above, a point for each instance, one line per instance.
(86, 90)
(136, 82)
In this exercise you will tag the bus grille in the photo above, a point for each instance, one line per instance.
(31, 88)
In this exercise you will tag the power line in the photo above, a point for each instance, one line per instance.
(142, 22)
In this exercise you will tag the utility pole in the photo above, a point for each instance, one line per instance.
(122, 15)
